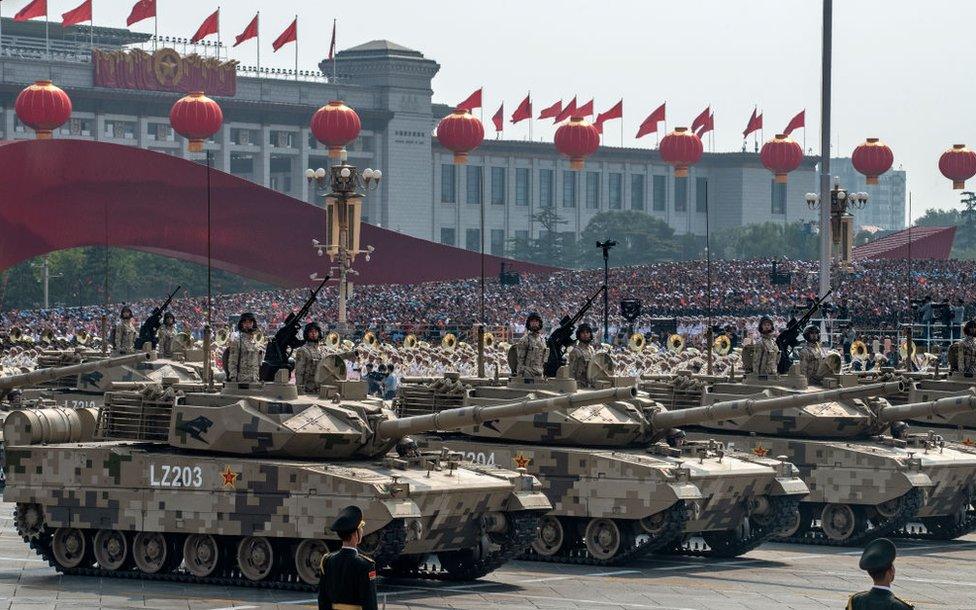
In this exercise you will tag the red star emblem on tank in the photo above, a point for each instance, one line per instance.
(760, 451)
(521, 461)
(230, 477)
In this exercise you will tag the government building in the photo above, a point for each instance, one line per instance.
(266, 138)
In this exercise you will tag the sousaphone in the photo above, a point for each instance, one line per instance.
(859, 350)
(410, 341)
(47, 336)
(449, 342)
(82, 336)
(722, 345)
(907, 349)
(489, 340)
(637, 342)
(16, 334)
(222, 336)
(333, 339)
(369, 339)
(676, 343)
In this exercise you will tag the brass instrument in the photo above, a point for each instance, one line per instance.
(722, 345)
(637, 342)
(905, 348)
(16, 334)
(47, 336)
(449, 342)
(503, 346)
(184, 340)
(222, 336)
(370, 339)
(82, 336)
(333, 339)
(489, 340)
(410, 341)
(260, 338)
(859, 350)
(348, 344)
(676, 343)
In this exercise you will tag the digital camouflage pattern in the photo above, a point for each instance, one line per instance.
(812, 357)
(578, 362)
(123, 337)
(168, 346)
(244, 356)
(307, 358)
(531, 353)
(765, 354)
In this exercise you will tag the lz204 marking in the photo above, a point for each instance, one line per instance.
(480, 457)
(165, 475)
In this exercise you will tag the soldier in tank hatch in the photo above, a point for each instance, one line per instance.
(307, 358)
(531, 350)
(766, 353)
(123, 335)
(243, 357)
(581, 354)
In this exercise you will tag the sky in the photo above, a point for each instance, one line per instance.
(899, 66)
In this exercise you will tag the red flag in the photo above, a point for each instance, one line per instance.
(755, 123)
(251, 31)
(37, 8)
(650, 123)
(473, 101)
(707, 125)
(143, 9)
(617, 112)
(289, 35)
(585, 110)
(797, 122)
(552, 111)
(499, 118)
(211, 25)
(567, 112)
(332, 44)
(79, 14)
(700, 120)
(524, 110)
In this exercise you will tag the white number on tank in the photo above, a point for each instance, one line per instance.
(79, 404)
(165, 475)
(480, 457)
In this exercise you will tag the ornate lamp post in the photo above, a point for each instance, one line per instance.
(343, 187)
(841, 220)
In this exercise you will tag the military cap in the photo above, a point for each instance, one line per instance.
(308, 328)
(247, 315)
(878, 555)
(809, 330)
(349, 520)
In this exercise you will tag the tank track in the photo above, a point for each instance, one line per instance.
(724, 544)
(392, 535)
(913, 502)
(675, 519)
(942, 528)
(523, 528)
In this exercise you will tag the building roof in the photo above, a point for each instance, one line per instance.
(916, 242)
(379, 47)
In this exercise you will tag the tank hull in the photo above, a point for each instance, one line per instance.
(932, 389)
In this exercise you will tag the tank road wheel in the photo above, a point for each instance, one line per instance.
(201, 554)
(111, 549)
(29, 519)
(71, 548)
(308, 560)
(605, 539)
(841, 522)
(153, 553)
(255, 557)
(889, 509)
(551, 537)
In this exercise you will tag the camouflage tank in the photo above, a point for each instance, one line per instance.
(937, 385)
(241, 486)
(863, 481)
(617, 492)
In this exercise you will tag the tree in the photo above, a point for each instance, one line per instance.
(795, 241)
(551, 247)
(641, 239)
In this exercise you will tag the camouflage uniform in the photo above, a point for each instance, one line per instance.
(967, 355)
(123, 337)
(765, 356)
(167, 341)
(812, 356)
(243, 358)
(532, 353)
(307, 359)
(579, 362)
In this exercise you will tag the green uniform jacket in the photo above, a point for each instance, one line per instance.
(877, 599)
(348, 581)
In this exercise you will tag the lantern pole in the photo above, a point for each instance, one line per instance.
(825, 237)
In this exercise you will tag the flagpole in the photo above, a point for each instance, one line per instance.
(91, 28)
(47, 36)
(156, 31)
(335, 48)
(531, 116)
(1, 27)
(296, 47)
(218, 33)
(259, 44)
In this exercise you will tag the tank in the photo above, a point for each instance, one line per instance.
(619, 494)
(864, 480)
(241, 486)
(939, 384)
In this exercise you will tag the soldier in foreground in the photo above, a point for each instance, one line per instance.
(123, 335)
(244, 354)
(167, 336)
(967, 353)
(307, 358)
(812, 355)
(766, 353)
(878, 560)
(348, 578)
(581, 354)
(531, 349)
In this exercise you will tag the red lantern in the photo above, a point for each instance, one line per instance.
(872, 159)
(958, 164)
(43, 107)
(336, 125)
(196, 117)
(681, 148)
(781, 155)
(577, 139)
(460, 132)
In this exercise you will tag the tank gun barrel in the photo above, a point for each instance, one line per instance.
(452, 419)
(57, 372)
(731, 409)
(938, 407)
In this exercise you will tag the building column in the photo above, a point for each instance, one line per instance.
(223, 158)
(262, 161)
(99, 127)
(303, 149)
(142, 132)
(8, 123)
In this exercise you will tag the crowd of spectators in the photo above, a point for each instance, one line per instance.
(873, 295)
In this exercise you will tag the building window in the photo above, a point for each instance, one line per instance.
(523, 185)
(521, 234)
(447, 236)
(472, 239)
(637, 191)
(81, 127)
(569, 189)
(660, 193)
(448, 181)
(593, 190)
(616, 191)
(701, 195)
(498, 242)
(120, 130)
(473, 183)
(680, 194)
(498, 186)
(545, 188)
(779, 198)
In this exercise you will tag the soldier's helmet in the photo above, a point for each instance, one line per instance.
(675, 437)
(584, 327)
(308, 328)
(125, 310)
(969, 329)
(407, 447)
(247, 315)
(533, 316)
(169, 319)
(809, 332)
(899, 429)
(766, 320)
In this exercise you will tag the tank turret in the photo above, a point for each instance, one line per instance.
(40, 376)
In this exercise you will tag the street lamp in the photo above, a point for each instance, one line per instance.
(841, 220)
(605, 246)
(343, 187)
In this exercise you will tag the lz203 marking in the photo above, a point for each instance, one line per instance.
(166, 475)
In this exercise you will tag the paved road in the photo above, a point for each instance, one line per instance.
(776, 576)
